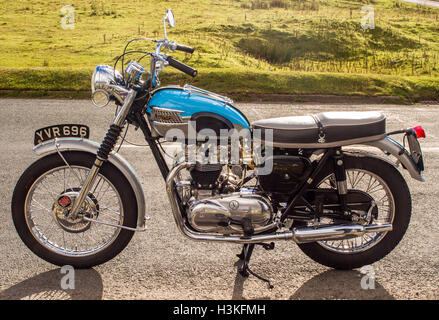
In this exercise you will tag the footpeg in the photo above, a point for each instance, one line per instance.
(247, 227)
(267, 246)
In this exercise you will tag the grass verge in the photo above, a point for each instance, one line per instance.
(238, 83)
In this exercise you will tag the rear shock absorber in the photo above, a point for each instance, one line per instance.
(340, 178)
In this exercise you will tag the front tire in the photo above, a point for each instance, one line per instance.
(327, 255)
(80, 244)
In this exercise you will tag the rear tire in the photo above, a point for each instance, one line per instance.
(120, 239)
(401, 217)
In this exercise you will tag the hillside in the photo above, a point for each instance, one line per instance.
(270, 44)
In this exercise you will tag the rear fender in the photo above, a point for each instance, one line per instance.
(78, 144)
(390, 146)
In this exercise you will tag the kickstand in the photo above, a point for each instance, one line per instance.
(244, 270)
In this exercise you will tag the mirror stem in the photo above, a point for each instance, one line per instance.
(164, 26)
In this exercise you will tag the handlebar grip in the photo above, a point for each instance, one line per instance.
(183, 48)
(181, 66)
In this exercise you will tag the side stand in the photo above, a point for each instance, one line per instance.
(245, 256)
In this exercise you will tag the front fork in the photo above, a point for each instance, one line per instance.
(106, 147)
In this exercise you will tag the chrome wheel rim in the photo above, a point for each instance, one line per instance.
(375, 187)
(42, 223)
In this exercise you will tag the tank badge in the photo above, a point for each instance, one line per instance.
(234, 205)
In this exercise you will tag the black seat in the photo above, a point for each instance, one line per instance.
(328, 129)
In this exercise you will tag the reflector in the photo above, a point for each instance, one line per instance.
(64, 201)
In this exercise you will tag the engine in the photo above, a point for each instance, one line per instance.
(216, 203)
(242, 213)
(205, 176)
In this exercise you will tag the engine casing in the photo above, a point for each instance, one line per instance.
(225, 214)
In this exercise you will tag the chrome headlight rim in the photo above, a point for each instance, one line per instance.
(100, 98)
(106, 78)
(105, 75)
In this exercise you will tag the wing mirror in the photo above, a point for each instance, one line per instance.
(170, 18)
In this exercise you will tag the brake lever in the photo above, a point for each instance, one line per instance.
(161, 58)
(172, 46)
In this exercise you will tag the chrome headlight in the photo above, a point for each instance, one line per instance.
(103, 76)
(106, 82)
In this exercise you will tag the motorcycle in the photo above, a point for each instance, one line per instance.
(81, 202)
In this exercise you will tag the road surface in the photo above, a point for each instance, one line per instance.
(161, 264)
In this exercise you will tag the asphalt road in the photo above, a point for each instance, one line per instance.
(161, 264)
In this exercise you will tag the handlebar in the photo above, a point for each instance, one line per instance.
(183, 48)
(181, 66)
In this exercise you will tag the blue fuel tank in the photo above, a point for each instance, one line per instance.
(172, 107)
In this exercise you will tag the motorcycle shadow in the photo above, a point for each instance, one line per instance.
(340, 285)
(329, 285)
(47, 286)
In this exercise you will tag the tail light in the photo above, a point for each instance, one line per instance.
(420, 133)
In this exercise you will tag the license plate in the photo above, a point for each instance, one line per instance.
(61, 131)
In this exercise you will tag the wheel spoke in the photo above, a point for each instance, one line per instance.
(376, 188)
(72, 237)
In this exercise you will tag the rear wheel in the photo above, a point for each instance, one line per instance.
(42, 199)
(388, 189)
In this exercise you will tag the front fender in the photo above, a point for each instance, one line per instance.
(71, 144)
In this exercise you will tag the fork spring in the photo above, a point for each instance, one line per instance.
(109, 142)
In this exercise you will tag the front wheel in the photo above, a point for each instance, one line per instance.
(40, 206)
(387, 187)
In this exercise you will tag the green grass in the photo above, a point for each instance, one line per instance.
(242, 46)
(235, 82)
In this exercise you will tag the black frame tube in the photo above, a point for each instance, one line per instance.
(158, 156)
(307, 182)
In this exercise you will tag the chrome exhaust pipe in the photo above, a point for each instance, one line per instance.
(305, 235)
(301, 235)
(238, 239)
